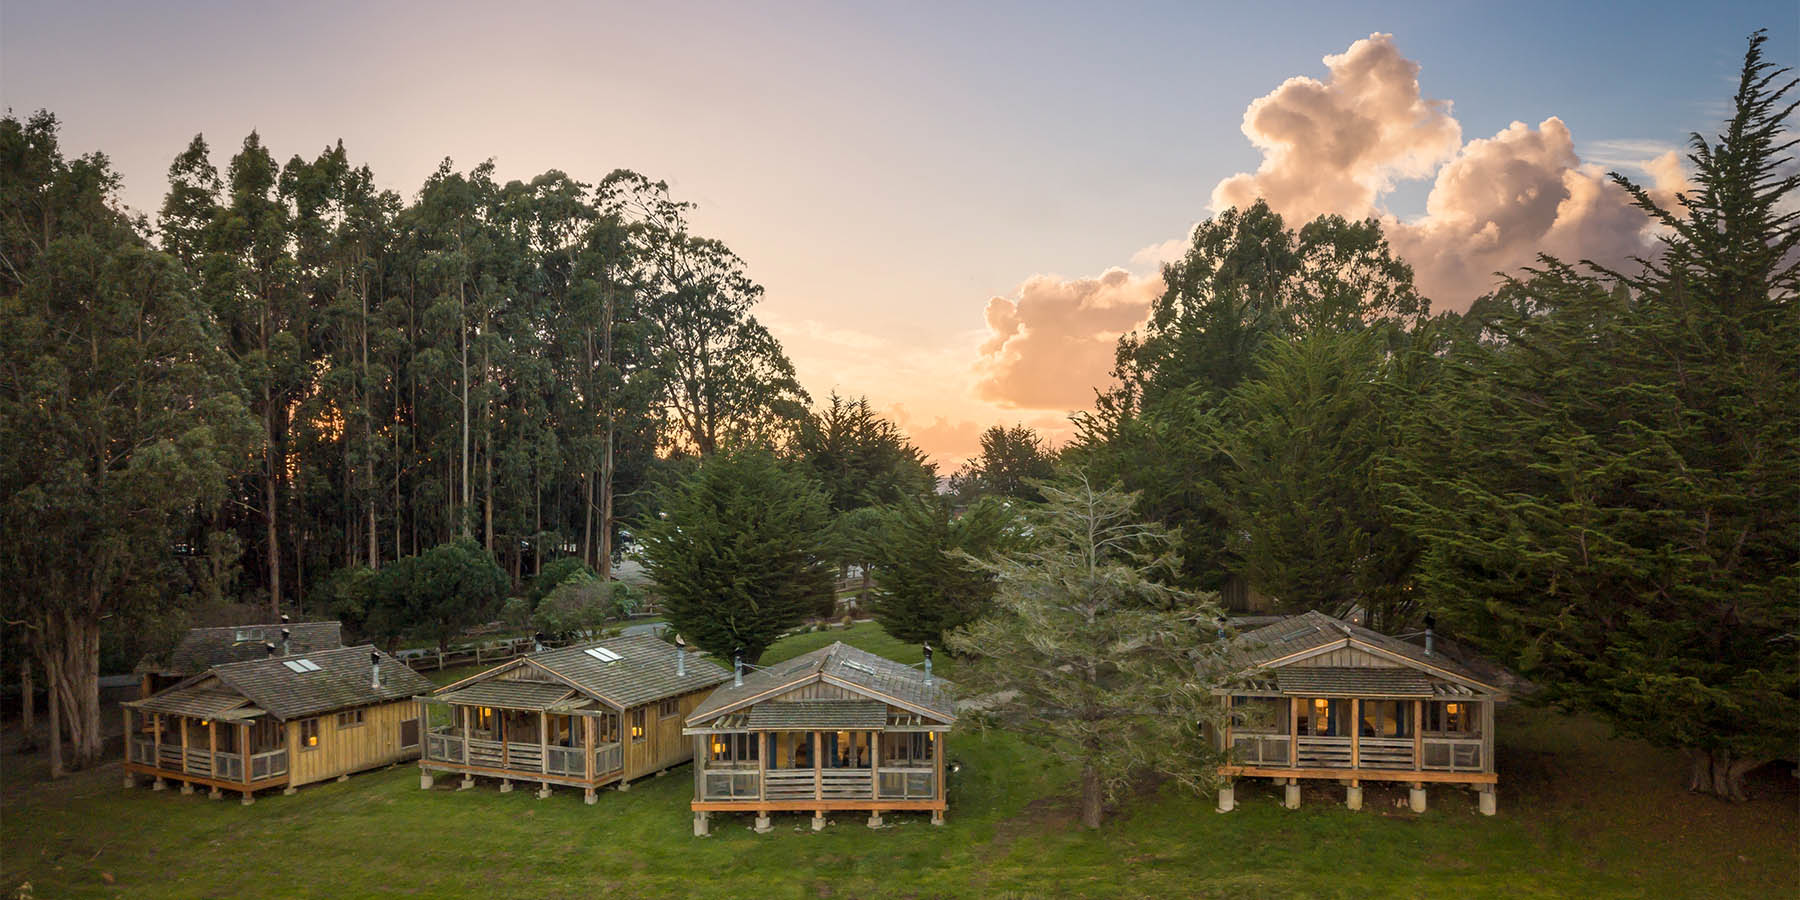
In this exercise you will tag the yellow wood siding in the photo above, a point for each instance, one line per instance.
(663, 745)
(376, 742)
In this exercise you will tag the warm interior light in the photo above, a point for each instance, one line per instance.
(312, 740)
(1320, 704)
(204, 723)
(1453, 708)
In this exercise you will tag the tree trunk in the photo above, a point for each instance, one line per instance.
(27, 703)
(1719, 773)
(270, 533)
(56, 753)
(68, 647)
(1091, 798)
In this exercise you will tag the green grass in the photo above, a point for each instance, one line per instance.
(1582, 815)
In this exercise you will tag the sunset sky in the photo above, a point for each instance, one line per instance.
(954, 211)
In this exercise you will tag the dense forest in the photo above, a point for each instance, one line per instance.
(293, 392)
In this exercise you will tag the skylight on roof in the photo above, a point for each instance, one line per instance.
(859, 666)
(301, 665)
(602, 654)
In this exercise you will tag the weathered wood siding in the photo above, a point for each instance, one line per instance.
(376, 742)
(663, 745)
(817, 691)
(1348, 657)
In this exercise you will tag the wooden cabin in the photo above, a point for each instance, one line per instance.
(280, 721)
(202, 648)
(584, 716)
(1328, 699)
(836, 729)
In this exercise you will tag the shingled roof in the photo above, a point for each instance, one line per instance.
(202, 648)
(860, 671)
(341, 681)
(1272, 645)
(644, 671)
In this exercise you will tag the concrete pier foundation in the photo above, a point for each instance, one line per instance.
(1415, 798)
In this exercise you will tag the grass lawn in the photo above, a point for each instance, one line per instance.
(1582, 815)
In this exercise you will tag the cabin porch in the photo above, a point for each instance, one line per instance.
(1352, 739)
(236, 750)
(532, 742)
(818, 769)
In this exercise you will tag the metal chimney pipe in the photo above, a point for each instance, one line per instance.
(375, 669)
(285, 634)
(927, 662)
(1430, 633)
(737, 664)
(680, 657)
(270, 647)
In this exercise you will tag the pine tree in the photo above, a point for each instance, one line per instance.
(928, 585)
(1087, 654)
(1621, 519)
(740, 552)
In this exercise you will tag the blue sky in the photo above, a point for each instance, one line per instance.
(885, 169)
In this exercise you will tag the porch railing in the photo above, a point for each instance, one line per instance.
(1324, 753)
(730, 784)
(447, 746)
(268, 765)
(1452, 754)
(609, 758)
(1260, 749)
(907, 784)
(205, 763)
(444, 747)
(1384, 753)
(790, 784)
(846, 784)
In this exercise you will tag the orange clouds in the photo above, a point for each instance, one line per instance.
(1506, 199)
(1340, 146)
(1337, 146)
(1053, 345)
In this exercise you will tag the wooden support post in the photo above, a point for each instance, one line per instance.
(1487, 736)
(875, 765)
(937, 755)
(543, 742)
(762, 764)
(1355, 733)
(1418, 735)
(212, 750)
(156, 743)
(587, 740)
(818, 768)
(466, 733)
(184, 752)
(1294, 732)
(125, 711)
(244, 755)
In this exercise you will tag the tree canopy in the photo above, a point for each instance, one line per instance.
(740, 551)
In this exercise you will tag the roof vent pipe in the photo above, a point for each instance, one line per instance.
(1430, 633)
(537, 642)
(680, 657)
(270, 647)
(927, 662)
(737, 664)
(1221, 631)
(285, 634)
(375, 669)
